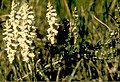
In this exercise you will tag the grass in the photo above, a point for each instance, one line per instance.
(89, 52)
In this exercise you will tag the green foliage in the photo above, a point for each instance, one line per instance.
(88, 53)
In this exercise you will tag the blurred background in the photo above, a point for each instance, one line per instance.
(92, 32)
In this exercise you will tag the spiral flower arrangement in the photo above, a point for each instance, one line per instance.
(52, 20)
(19, 32)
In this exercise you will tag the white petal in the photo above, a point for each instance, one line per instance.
(29, 21)
(18, 16)
(31, 16)
(32, 55)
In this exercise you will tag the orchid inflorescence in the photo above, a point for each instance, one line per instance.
(52, 20)
(19, 32)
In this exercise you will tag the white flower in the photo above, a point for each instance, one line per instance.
(55, 31)
(51, 17)
(33, 27)
(29, 21)
(16, 21)
(10, 35)
(11, 59)
(29, 41)
(24, 17)
(49, 30)
(52, 20)
(52, 40)
(26, 59)
(19, 32)
(32, 33)
(49, 36)
(14, 45)
(31, 12)
(32, 55)
(54, 14)
(18, 16)
(12, 51)
(31, 16)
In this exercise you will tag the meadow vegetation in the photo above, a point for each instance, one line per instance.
(59, 40)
